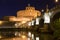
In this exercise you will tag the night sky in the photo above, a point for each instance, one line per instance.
(10, 7)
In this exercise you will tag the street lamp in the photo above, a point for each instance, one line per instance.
(42, 10)
(57, 3)
(56, 0)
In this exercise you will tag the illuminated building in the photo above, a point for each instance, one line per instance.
(29, 21)
(28, 14)
(24, 16)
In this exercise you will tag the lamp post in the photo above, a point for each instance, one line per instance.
(56, 0)
(57, 3)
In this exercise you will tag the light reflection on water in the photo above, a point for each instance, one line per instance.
(22, 35)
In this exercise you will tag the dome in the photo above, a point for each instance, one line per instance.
(29, 12)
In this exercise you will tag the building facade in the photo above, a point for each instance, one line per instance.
(29, 24)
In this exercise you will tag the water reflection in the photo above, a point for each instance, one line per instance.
(18, 35)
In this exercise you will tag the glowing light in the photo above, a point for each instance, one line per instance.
(46, 18)
(17, 25)
(37, 38)
(15, 33)
(42, 10)
(29, 34)
(33, 22)
(29, 24)
(23, 22)
(28, 38)
(37, 21)
(33, 36)
(23, 36)
(1, 22)
(56, 0)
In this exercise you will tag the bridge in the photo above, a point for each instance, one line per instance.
(42, 31)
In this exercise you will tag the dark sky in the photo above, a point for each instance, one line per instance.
(10, 7)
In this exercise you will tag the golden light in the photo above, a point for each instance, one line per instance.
(23, 36)
(14, 39)
(29, 12)
(0, 36)
(1, 22)
(56, 0)
(23, 22)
